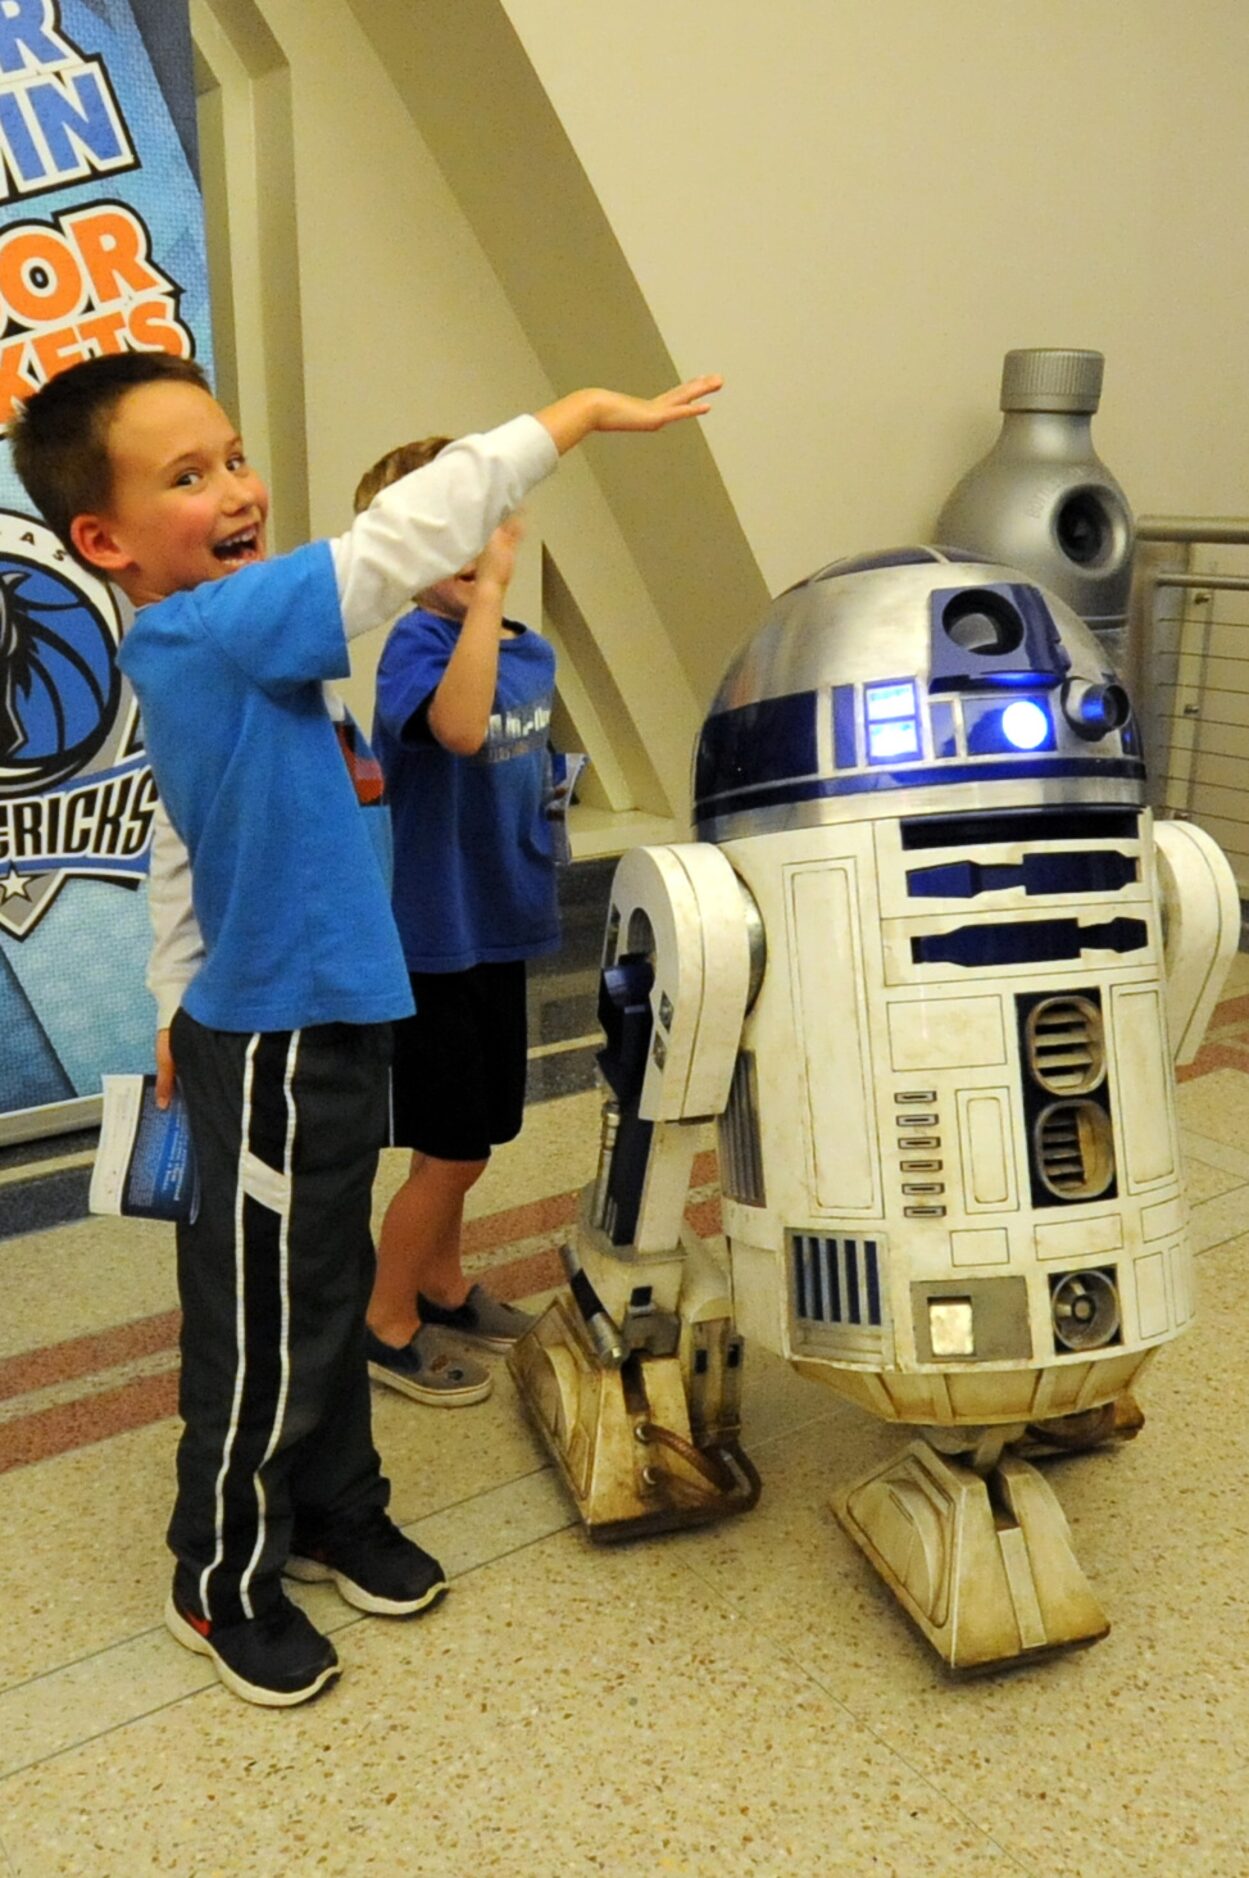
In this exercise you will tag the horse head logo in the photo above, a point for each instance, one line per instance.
(59, 684)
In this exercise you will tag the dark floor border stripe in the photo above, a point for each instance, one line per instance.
(44, 1201)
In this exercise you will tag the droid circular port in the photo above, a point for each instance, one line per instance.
(1074, 1150)
(981, 621)
(1085, 1310)
(1083, 528)
(1065, 1044)
(1094, 711)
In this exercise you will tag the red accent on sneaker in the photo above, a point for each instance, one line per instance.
(202, 1624)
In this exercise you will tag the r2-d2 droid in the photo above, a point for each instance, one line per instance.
(928, 966)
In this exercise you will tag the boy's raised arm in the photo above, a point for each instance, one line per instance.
(432, 522)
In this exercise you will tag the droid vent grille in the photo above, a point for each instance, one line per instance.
(741, 1151)
(1074, 1151)
(1066, 1047)
(836, 1281)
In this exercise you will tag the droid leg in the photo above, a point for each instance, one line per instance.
(633, 1375)
(976, 1549)
(643, 1424)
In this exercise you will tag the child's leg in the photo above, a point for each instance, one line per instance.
(418, 1248)
(272, 1279)
(458, 1088)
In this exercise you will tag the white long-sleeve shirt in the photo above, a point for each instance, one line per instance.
(422, 528)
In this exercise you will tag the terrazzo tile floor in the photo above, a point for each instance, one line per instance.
(742, 1699)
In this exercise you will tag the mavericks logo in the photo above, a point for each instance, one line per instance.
(76, 793)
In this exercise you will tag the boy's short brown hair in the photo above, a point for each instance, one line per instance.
(60, 435)
(396, 463)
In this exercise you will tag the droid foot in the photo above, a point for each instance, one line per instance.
(621, 1434)
(985, 1567)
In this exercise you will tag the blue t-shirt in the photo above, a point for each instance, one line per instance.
(287, 886)
(474, 874)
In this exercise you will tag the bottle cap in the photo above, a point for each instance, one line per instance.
(1052, 378)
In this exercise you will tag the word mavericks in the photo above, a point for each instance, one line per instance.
(76, 793)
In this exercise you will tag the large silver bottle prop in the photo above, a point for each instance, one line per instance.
(1042, 500)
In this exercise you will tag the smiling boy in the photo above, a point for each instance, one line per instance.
(282, 1035)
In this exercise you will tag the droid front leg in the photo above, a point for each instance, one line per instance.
(633, 1374)
(975, 1547)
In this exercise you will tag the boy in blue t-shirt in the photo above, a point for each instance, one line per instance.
(284, 983)
(464, 702)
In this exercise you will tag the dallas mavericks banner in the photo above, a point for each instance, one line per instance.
(101, 250)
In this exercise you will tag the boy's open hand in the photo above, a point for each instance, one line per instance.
(574, 417)
(621, 412)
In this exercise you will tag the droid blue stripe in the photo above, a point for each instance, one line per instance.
(758, 744)
(845, 750)
(873, 1282)
(944, 738)
(855, 1311)
(915, 776)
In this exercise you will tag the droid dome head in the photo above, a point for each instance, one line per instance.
(918, 680)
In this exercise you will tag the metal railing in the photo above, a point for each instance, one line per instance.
(1189, 640)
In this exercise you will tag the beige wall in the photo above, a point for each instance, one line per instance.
(855, 207)
(850, 207)
(403, 328)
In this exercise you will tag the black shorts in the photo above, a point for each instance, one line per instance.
(458, 1084)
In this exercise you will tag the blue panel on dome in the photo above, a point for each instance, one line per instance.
(965, 554)
(892, 722)
(988, 729)
(944, 735)
(767, 742)
(1001, 632)
(845, 742)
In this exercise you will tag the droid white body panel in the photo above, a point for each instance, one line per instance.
(929, 967)
(919, 1154)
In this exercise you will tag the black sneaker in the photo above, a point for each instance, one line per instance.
(276, 1660)
(373, 1565)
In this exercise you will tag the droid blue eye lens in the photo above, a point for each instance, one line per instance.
(1025, 725)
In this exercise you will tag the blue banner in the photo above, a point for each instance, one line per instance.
(101, 250)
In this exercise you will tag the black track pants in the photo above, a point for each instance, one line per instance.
(274, 1277)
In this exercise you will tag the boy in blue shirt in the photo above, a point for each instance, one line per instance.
(282, 1031)
(464, 702)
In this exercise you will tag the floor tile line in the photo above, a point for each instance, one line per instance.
(859, 1721)
(540, 1050)
(117, 1643)
(514, 1551)
(453, 1506)
(927, 1780)
(347, 1619)
(1215, 1153)
(101, 1734)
